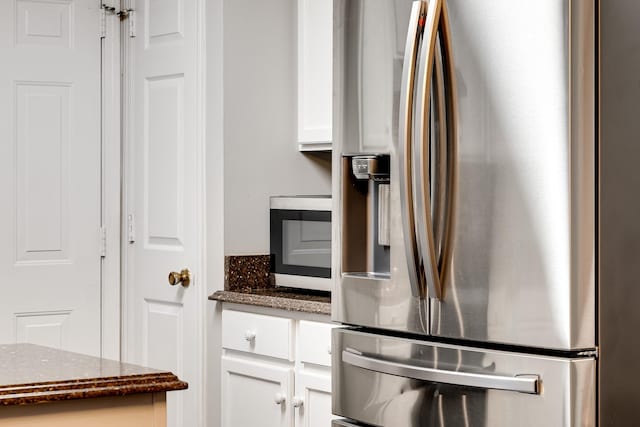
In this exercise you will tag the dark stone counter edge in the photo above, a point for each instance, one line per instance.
(289, 304)
(29, 394)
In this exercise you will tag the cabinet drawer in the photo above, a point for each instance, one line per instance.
(315, 343)
(257, 334)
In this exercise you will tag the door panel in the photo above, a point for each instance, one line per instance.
(251, 391)
(475, 387)
(314, 391)
(50, 109)
(163, 324)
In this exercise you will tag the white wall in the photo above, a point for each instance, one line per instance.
(260, 121)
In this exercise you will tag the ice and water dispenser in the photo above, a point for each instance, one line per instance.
(365, 215)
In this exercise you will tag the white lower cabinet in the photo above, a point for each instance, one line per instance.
(255, 393)
(267, 388)
(313, 398)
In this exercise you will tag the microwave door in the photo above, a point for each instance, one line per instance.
(301, 248)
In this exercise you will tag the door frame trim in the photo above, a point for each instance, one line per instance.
(111, 170)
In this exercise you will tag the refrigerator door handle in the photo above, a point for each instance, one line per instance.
(452, 143)
(416, 22)
(519, 383)
(421, 156)
(439, 182)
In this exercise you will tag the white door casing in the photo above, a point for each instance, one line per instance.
(163, 324)
(50, 104)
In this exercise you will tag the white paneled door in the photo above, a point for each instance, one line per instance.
(163, 324)
(50, 176)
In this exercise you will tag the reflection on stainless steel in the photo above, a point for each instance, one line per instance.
(378, 398)
(404, 153)
(368, 274)
(342, 423)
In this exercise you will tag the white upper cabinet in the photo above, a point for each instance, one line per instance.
(315, 69)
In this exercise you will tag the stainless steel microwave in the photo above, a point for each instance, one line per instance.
(300, 240)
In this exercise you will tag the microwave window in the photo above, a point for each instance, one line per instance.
(306, 243)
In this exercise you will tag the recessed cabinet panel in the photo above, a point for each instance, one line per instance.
(315, 90)
(314, 392)
(255, 394)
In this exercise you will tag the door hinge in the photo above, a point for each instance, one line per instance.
(131, 229)
(129, 14)
(103, 241)
(104, 11)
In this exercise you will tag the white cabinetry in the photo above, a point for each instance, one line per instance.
(255, 393)
(313, 399)
(315, 69)
(276, 371)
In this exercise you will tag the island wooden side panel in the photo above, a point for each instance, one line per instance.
(137, 410)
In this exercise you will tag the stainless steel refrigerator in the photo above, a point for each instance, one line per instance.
(486, 213)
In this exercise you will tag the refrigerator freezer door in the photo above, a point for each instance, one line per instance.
(384, 381)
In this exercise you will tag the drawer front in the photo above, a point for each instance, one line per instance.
(388, 382)
(315, 343)
(257, 334)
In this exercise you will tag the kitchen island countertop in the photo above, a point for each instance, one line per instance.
(32, 374)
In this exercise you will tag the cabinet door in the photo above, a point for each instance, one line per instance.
(256, 393)
(315, 69)
(312, 400)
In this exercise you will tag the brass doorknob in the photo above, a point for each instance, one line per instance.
(183, 278)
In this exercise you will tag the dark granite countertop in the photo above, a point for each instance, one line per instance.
(34, 374)
(315, 302)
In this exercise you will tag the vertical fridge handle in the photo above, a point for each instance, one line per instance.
(421, 155)
(404, 150)
(437, 23)
(452, 142)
